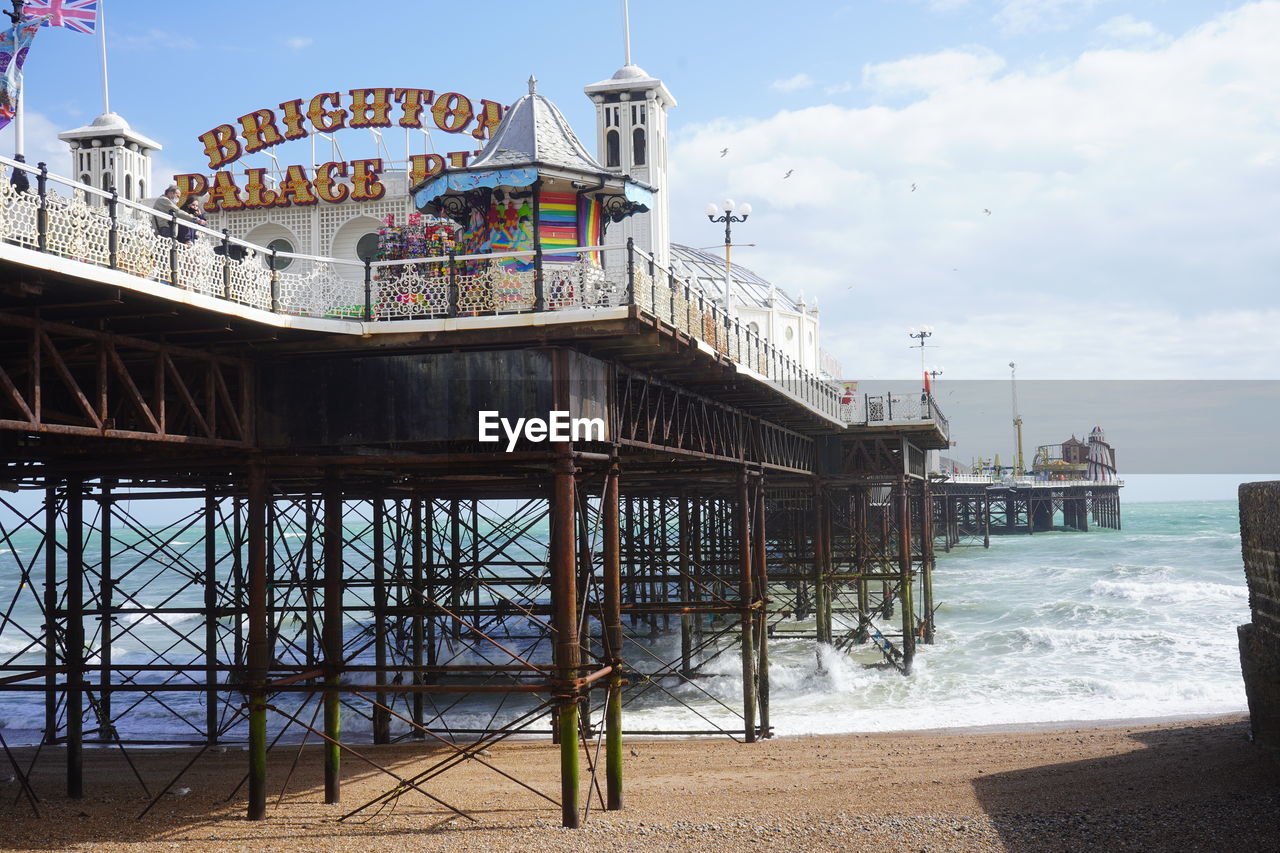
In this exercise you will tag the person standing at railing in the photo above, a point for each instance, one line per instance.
(195, 209)
(166, 208)
(19, 179)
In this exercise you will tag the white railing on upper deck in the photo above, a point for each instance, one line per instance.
(890, 409)
(98, 227)
(1026, 482)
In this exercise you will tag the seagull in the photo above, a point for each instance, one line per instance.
(788, 174)
(987, 212)
(724, 151)
(913, 187)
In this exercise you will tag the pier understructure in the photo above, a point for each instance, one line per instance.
(970, 510)
(249, 505)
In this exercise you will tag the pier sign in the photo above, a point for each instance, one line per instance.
(327, 112)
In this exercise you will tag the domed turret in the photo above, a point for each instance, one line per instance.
(108, 153)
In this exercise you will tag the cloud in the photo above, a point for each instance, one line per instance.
(792, 84)
(42, 143)
(1126, 29)
(1026, 16)
(1132, 193)
(299, 42)
(928, 73)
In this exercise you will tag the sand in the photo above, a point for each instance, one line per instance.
(1184, 786)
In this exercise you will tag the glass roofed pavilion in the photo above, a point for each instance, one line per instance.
(768, 310)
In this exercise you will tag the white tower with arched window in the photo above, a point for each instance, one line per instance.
(631, 138)
(108, 153)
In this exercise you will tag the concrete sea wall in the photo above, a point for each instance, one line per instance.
(1260, 639)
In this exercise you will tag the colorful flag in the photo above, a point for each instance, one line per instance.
(78, 15)
(13, 51)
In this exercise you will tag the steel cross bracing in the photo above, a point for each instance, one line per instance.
(657, 415)
(856, 567)
(59, 378)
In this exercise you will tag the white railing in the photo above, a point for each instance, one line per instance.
(683, 304)
(98, 227)
(894, 410)
(1026, 482)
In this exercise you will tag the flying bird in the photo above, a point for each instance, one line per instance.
(788, 174)
(913, 187)
(986, 211)
(724, 151)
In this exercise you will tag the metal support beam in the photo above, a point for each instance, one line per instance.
(259, 652)
(746, 597)
(565, 623)
(612, 571)
(333, 571)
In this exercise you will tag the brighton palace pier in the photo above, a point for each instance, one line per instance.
(297, 393)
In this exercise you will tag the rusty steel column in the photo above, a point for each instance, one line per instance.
(821, 565)
(50, 633)
(332, 639)
(859, 508)
(747, 596)
(686, 588)
(381, 719)
(259, 652)
(986, 520)
(926, 559)
(565, 621)
(612, 568)
(210, 613)
(421, 602)
(762, 629)
(905, 575)
(75, 639)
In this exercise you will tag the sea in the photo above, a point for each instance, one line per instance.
(1061, 626)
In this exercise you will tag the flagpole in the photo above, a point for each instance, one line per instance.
(102, 34)
(19, 123)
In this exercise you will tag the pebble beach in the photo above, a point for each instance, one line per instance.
(1186, 785)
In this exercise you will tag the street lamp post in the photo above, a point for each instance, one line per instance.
(921, 333)
(713, 213)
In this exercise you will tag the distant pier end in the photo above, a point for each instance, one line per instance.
(1260, 638)
(1076, 479)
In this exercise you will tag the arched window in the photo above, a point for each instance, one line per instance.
(612, 152)
(128, 187)
(142, 188)
(637, 146)
(280, 244)
(367, 246)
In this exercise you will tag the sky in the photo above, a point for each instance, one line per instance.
(1089, 188)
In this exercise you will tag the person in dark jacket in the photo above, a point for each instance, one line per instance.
(19, 179)
(193, 208)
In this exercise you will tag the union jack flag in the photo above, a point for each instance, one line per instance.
(78, 15)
